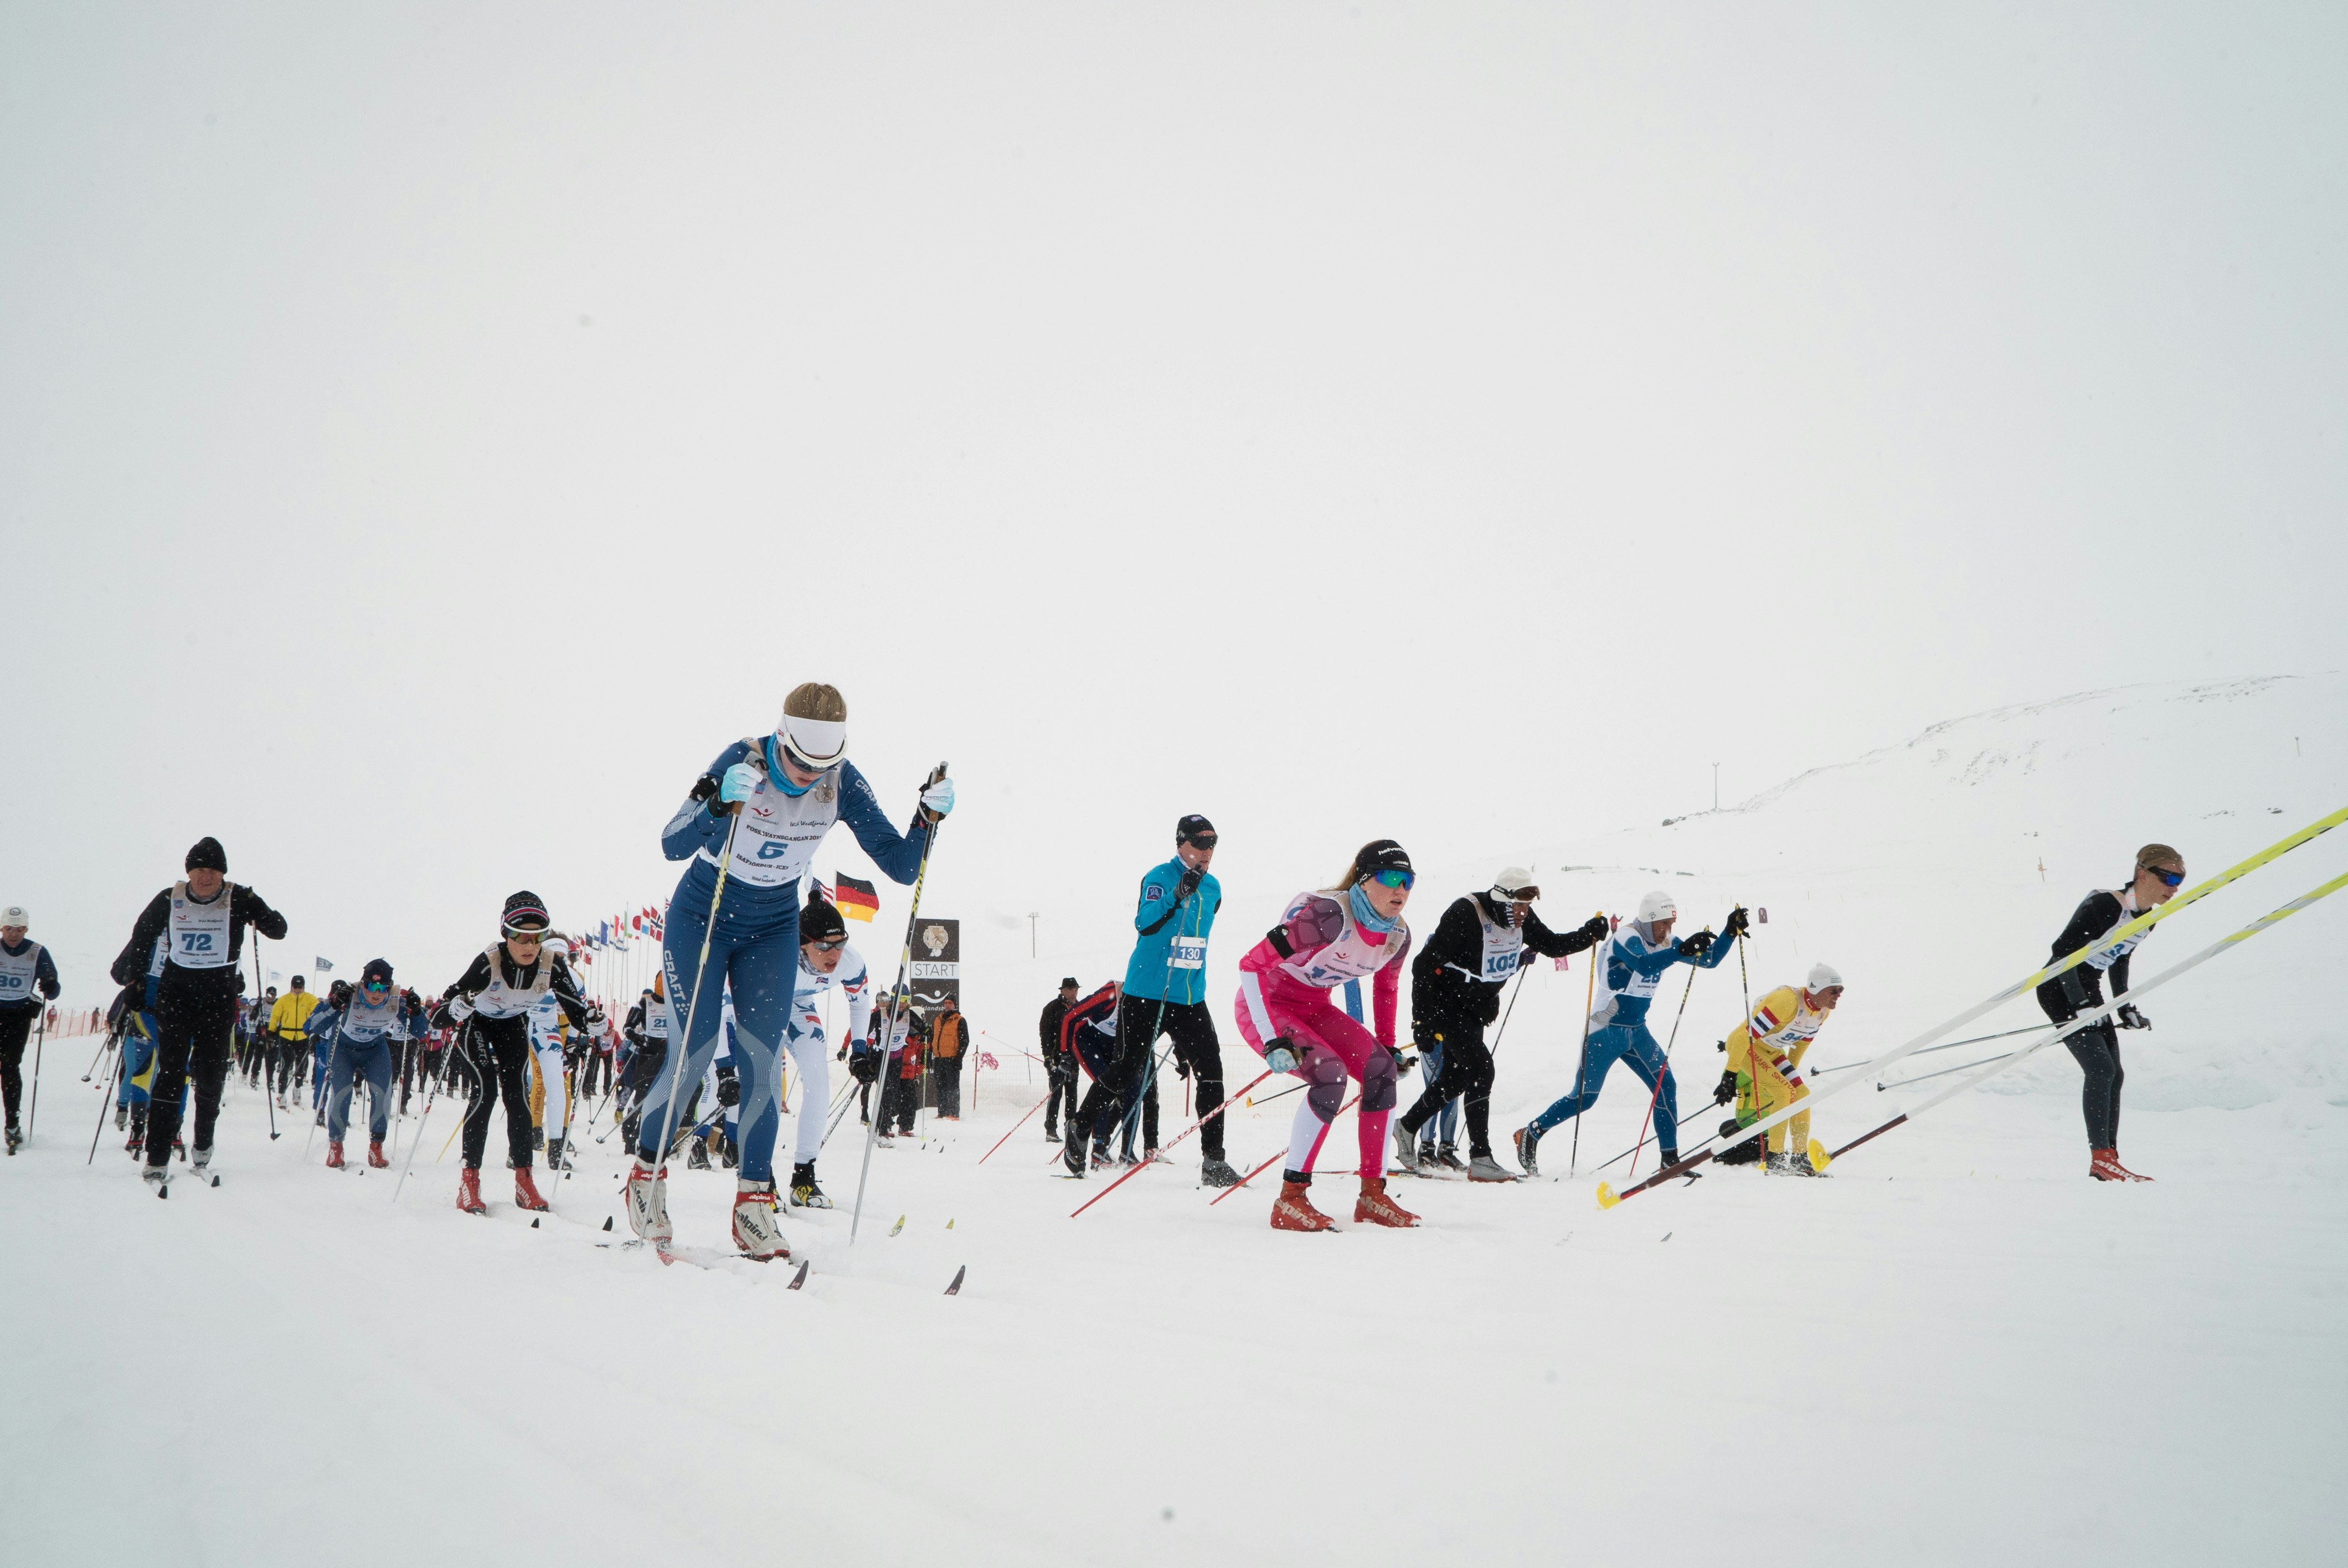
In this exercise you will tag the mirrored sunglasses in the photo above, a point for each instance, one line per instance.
(1394, 876)
(2167, 879)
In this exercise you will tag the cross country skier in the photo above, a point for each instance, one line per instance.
(826, 960)
(1454, 995)
(2159, 872)
(647, 1036)
(1764, 1072)
(1635, 961)
(360, 1034)
(549, 1095)
(1166, 989)
(1088, 1035)
(26, 975)
(265, 1044)
(289, 1037)
(338, 996)
(1059, 1067)
(1352, 931)
(771, 798)
(495, 994)
(202, 920)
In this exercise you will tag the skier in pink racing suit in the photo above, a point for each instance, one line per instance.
(1351, 932)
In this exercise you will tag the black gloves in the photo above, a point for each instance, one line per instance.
(703, 788)
(1189, 884)
(2131, 1019)
(1737, 924)
(1697, 946)
(729, 1088)
(1595, 928)
(1727, 1089)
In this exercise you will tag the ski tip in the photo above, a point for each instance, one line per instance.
(215, 1181)
(955, 1288)
(900, 1225)
(162, 1191)
(533, 1225)
(797, 1279)
(607, 1222)
(950, 1225)
(1607, 1196)
(1819, 1158)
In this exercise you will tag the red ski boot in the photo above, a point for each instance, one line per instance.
(1293, 1210)
(374, 1155)
(526, 1191)
(335, 1156)
(2113, 1155)
(468, 1192)
(2104, 1164)
(1373, 1208)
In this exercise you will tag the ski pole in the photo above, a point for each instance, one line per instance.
(681, 1047)
(95, 1059)
(1656, 1093)
(1675, 1126)
(1608, 1197)
(1945, 1045)
(898, 1001)
(1186, 1132)
(33, 1110)
(1928, 1077)
(325, 1090)
(2088, 1020)
(1580, 1071)
(1268, 1164)
(1015, 1126)
(120, 1064)
(425, 1121)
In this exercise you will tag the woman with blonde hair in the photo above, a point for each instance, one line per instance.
(1353, 931)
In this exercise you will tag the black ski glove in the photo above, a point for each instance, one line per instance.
(729, 1088)
(1727, 1089)
(2131, 1019)
(1595, 928)
(1737, 924)
(1697, 946)
(1189, 884)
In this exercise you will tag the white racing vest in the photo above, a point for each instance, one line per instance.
(2114, 954)
(200, 932)
(498, 1000)
(656, 1024)
(1504, 947)
(16, 970)
(1638, 985)
(364, 1022)
(807, 1011)
(775, 833)
(1349, 957)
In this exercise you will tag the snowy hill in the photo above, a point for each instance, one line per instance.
(292, 1368)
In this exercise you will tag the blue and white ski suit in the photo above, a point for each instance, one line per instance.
(1618, 1030)
(755, 945)
(356, 1040)
(807, 1043)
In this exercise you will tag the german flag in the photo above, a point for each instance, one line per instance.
(857, 900)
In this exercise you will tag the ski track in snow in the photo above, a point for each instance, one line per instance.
(1956, 1350)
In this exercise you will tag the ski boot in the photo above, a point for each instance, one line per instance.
(202, 1159)
(1791, 1163)
(335, 1156)
(526, 1192)
(469, 1191)
(1373, 1208)
(15, 1139)
(158, 1177)
(554, 1154)
(1748, 1152)
(538, 1139)
(2115, 1153)
(1215, 1173)
(729, 1155)
(648, 1203)
(1528, 1141)
(753, 1222)
(1484, 1168)
(2104, 1164)
(1051, 1133)
(121, 1117)
(1406, 1153)
(375, 1155)
(1293, 1210)
(1071, 1153)
(805, 1192)
(1447, 1156)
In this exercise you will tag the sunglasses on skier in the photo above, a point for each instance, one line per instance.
(528, 936)
(2167, 879)
(377, 988)
(1394, 876)
(830, 944)
(1200, 840)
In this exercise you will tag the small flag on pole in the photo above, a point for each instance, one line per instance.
(857, 900)
(322, 967)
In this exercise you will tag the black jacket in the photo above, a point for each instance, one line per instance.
(1441, 996)
(475, 979)
(1048, 1027)
(2080, 989)
(246, 907)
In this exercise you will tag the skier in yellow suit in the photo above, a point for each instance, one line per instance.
(1764, 1076)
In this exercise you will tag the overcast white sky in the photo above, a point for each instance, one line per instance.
(427, 434)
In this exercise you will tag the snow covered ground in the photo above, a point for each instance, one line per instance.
(1957, 1349)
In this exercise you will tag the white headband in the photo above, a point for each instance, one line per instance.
(821, 741)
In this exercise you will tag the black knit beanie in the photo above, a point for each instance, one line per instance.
(208, 855)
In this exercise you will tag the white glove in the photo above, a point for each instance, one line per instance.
(939, 798)
(741, 782)
(1281, 1055)
(460, 1008)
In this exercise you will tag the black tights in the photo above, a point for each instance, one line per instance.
(1467, 1071)
(2098, 1052)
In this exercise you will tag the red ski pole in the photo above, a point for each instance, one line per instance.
(1658, 1092)
(1015, 1126)
(1268, 1164)
(1186, 1132)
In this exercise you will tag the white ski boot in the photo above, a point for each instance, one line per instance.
(1406, 1148)
(158, 1177)
(648, 1203)
(199, 1160)
(1484, 1168)
(754, 1222)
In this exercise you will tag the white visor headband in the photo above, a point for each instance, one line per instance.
(820, 741)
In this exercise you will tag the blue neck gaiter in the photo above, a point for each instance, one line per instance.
(778, 777)
(1366, 917)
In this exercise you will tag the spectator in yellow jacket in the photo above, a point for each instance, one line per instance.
(1763, 1075)
(289, 1038)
